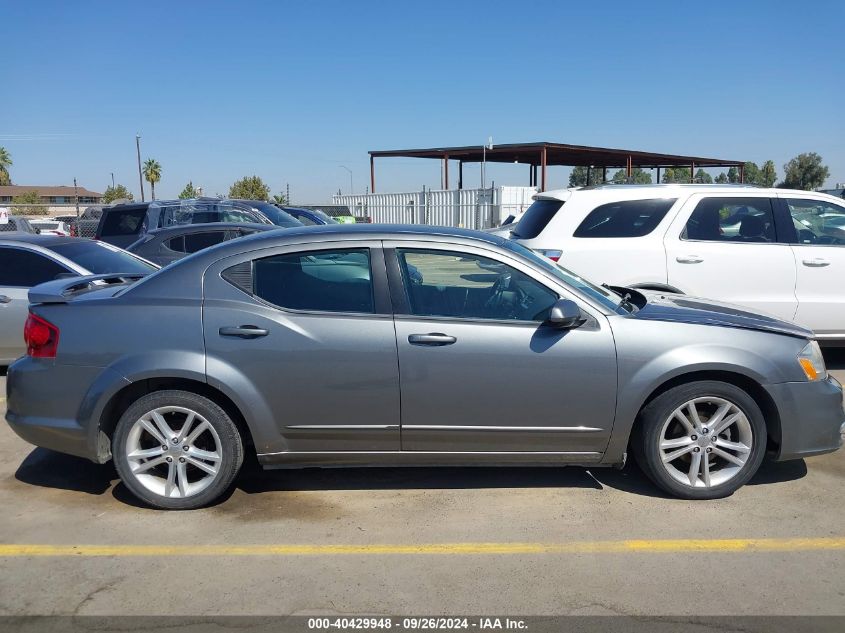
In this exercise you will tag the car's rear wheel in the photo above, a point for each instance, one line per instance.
(702, 440)
(177, 450)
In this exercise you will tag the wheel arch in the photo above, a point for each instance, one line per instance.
(123, 399)
(754, 389)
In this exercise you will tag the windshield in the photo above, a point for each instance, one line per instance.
(604, 296)
(102, 259)
(276, 215)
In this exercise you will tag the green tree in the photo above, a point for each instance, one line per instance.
(250, 188)
(722, 179)
(768, 175)
(5, 163)
(152, 174)
(578, 176)
(751, 173)
(118, 192)
(21, 204)
(805, 171)
(638, 177)
(733, 175)
(189, 191)
(281, 198)
(702, 177)
(676, 174)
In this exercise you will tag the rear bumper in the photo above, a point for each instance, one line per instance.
(58, 406)
(811, 417)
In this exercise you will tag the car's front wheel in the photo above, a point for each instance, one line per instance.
(701, 440)
(177, 450)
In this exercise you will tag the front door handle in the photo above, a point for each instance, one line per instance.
(244, 331)
(435, 339)
(5, 299)
(818, 262)
(689, 259)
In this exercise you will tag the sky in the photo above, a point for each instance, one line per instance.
(298, 92)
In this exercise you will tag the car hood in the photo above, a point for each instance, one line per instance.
(685, 309)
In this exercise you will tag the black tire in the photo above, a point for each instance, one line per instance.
(645, 441)
(231, 449)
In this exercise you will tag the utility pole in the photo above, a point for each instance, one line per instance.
(287, 192)
(112, 180)
(76, 195)
(140, 176)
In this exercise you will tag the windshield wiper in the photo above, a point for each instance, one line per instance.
(626, 299)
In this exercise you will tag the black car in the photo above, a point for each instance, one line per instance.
(163, 246)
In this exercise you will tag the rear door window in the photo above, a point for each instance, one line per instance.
(124, 222)
(626, 218)
(197, 241)
(731, 220)
(24, 269)
(536, 217)
(324, 281)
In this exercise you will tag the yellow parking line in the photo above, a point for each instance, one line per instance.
(750, 545)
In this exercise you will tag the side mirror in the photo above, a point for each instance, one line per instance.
(566, 315)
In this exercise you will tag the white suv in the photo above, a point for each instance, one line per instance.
(778, 251)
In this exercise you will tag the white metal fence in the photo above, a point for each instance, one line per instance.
(467, 208)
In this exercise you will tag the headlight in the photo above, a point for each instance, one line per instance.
(812, 361)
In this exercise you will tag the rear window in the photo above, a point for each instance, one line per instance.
(626, 218)
(536, 217)
(101, 259)
(124, 222)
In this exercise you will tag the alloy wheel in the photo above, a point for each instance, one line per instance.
(705, 442)
(173, 452)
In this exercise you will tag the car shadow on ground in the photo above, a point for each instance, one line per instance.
(48, 469)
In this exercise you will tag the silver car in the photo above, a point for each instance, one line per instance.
(383, 345)
(27, 260)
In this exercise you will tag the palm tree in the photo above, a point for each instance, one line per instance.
(5, 163)
(152, 174)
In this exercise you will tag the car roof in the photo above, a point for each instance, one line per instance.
(201, 227)
(47, 241)
(623, 190)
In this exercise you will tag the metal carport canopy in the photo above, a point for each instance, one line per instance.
(544, 154)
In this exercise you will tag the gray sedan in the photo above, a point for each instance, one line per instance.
(167, 245)
(300, 345)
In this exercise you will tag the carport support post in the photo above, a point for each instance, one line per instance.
(658, 174)
(446, 171)
(604, 174)
(372, 174)
(628, 167)
(543, 171)
(460, 174)
(742, 173)
(692, 172)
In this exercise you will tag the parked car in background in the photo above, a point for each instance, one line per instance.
(339, 212)
(167, 245)
(17, 224)
(87, 223)
(776, 251)
(50, 226)
(29, 260)
(125, 224)
(308, 217)
(300, 344)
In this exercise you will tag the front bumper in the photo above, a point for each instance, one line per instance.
(812, 415)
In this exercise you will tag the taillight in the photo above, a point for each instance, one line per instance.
(41, 337)
(552, 255)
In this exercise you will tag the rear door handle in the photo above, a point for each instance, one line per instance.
(5, 299)
(244, 331)
(689, 259)
(818, 262)
(435, 339)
